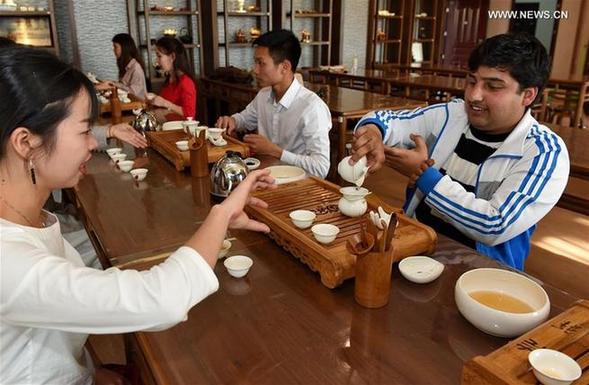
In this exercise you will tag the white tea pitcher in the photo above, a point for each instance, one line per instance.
(352, 203)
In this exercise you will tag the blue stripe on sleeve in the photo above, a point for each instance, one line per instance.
(542, 177)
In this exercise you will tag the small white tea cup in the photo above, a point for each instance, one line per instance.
(139, 173)
(182, 145)
(238, 265)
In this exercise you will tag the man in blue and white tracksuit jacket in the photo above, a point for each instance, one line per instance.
(489, 183)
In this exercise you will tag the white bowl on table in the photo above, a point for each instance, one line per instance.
(552, 367)
(420, 269)
(125, 165)
(302, 218)
(238, 265)
(529, 304)
(286, 174)
(325, 233)
(139, 173)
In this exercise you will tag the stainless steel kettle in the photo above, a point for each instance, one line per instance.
(145, 121)
(227, 173)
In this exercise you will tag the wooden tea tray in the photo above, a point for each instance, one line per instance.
(568, 332)
(333, 262)
(164, 142)
(133, 105)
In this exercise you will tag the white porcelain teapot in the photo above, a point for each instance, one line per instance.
(352, 203)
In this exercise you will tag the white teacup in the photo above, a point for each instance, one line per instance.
(182, 145)
(139, 173)
(114, 150)
(126, 165)
(118, 157)
(353, 174)
(201, 128)
(215, 133)
(190, 126)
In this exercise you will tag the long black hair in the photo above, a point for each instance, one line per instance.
(129, 51)
(169, 45)
(37, 90)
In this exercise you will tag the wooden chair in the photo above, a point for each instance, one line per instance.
(563, 103)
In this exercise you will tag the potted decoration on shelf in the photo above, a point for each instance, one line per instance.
(380, 35)
(240, 36)
(170, 32)
(184, 36)
(255, 33)
(305, 36)
(240, 6)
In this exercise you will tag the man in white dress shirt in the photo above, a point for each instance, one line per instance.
(293, 123)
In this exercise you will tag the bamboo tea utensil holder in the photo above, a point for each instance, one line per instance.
(373, 278)
(199, 164)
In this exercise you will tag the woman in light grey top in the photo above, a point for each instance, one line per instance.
(131, 67)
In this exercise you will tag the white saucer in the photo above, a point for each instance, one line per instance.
(420, 269)
(252, 163)
(286, 174)
(219, 142)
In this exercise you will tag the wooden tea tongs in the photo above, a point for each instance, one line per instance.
(361, 244)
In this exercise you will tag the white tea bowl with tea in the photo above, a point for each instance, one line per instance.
(500, 302)
(302, 218)
(552, 367)
(353, 173)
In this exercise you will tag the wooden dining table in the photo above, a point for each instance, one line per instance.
(344, 103)
(279, 324)
(577, 142)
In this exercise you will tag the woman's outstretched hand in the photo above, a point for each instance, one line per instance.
(236, 201)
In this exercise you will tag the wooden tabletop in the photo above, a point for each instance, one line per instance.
(577, 142)
(356, 103)
(279, 324)
(341, 101)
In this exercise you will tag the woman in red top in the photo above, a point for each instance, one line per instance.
(178, 94)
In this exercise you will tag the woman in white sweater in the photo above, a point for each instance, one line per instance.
(49, 301)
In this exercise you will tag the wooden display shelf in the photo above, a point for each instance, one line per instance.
(333, 262)
(164, 142)
(568, 333)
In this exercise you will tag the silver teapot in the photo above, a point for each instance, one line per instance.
(227, 173)
(145, 121)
